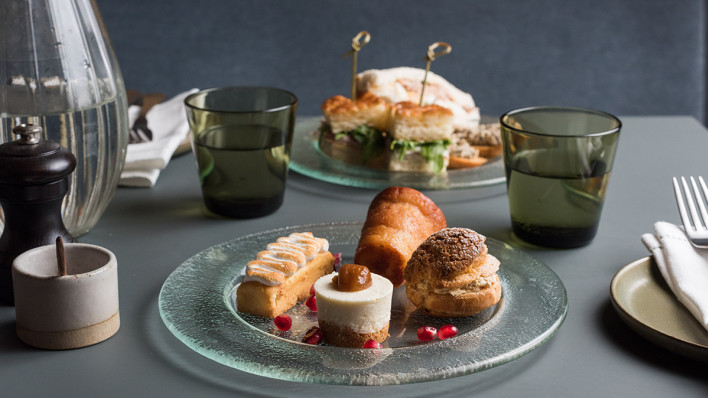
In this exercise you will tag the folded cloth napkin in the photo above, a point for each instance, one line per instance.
(683, 266)
(168, 123)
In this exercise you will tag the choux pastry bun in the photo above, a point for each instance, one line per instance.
(451, 274)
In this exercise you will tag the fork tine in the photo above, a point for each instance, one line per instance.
(701, 202)
(681, 206)
(691, 205)
(142, 134)
(704, 187)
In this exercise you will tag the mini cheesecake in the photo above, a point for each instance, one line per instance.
(349, 318)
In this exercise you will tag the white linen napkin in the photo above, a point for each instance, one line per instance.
(683, 266)
(168, 122)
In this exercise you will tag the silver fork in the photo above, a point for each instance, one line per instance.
(694, 223)
(140, 132)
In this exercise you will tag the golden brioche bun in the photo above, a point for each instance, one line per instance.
(398, 220)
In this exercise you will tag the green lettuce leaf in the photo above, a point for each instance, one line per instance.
(431, 151)
(371, 139)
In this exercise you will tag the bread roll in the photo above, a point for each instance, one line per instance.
(343, 114)
(451, 274)
(420, 123)
(405, 83)
(399, 219)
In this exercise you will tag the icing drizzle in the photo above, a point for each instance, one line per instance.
(284, 257)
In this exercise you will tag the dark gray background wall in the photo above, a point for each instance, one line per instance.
(626, 57)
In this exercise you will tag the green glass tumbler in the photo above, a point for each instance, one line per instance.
(241, 139)
(558, 162)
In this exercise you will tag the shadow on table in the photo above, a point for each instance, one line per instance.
(633, 344)
(213, 374)
(9, 341)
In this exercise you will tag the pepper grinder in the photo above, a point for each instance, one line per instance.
(34, 177)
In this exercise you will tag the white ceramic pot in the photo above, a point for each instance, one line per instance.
(70, 311)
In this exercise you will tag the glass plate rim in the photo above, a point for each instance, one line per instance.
(217, 298)
(304, 146)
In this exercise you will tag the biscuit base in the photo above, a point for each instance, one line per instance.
(342, 336)
(270, 301)
(455, 306)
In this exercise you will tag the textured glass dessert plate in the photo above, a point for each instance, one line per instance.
(197, 304)
(307, 159)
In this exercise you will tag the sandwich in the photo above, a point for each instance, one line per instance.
(353, 130)
(385, 126)
(419, 137)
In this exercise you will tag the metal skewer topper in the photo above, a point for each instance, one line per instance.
(356, 46)
(430, 56)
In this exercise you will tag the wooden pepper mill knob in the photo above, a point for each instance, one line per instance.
(34, 177)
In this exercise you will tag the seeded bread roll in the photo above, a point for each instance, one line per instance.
(399, 219)
(451, 274)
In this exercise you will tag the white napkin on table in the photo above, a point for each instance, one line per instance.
(683, 266)
(168, 122)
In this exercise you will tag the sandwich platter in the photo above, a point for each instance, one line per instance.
(308, 160)
(197, 304)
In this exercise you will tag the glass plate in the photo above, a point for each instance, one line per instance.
(307, 159)
(197, 305)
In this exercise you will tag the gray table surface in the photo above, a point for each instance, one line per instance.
(152, 231)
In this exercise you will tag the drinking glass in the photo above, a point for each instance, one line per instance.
(241, 138)
(558, 162)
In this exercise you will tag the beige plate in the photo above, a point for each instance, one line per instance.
(645, 303)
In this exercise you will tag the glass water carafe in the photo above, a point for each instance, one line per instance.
(58, 70)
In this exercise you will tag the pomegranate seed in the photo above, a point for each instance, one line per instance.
(311, 303)
(427, 333)
(283, 322)
(372, 344)
(312, 290)
(313, 336)
(447, 331)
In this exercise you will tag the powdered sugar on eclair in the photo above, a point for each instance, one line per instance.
(284, 257)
